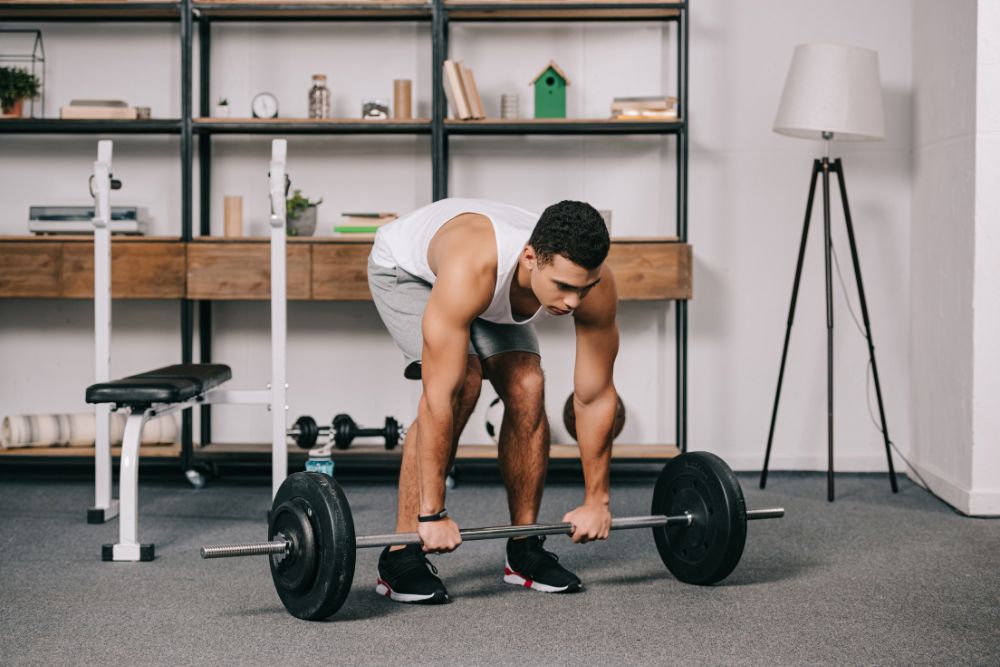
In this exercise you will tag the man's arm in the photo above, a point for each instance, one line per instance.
(461, 292)
(594, 402)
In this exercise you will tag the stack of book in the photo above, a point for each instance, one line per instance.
(98, 110)
(658, 107)
(363, 222)
(461, 90)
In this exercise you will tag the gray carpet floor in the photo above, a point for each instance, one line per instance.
(872, 579)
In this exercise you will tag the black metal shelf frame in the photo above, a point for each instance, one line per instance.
(57, 126)
(201, 15)
(103, 12)
(373, 127)
(440, 130)
(577, 128)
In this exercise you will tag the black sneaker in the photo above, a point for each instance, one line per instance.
(406, 575)
(531, 566)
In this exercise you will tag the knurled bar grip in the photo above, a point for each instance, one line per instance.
(233, 550)
(488, 533)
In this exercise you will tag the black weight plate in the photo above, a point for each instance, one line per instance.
(706, 551)
(391, 433)
(308, 432)
(296, 569)
(333, 529)
(343, 431)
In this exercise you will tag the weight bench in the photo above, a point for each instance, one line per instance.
(177, 387)
(145, 396)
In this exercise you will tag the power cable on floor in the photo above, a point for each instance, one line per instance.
(868, 392)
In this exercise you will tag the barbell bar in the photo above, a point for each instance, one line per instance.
(469, 534)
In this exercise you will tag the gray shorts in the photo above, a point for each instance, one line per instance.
(401, 297)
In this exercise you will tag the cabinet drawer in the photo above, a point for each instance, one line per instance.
(340, 272)
(139, 270)
(242, 270)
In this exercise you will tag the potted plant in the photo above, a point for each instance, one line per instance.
(222, 108)
(301, 214)
(16, 84)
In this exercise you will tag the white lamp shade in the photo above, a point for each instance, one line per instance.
(832, 88)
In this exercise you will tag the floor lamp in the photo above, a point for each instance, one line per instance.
(832, 92)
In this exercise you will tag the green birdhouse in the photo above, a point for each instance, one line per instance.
(550, 92)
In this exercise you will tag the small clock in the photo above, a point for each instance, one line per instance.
(264, 105)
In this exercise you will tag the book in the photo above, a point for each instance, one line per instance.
(645, 114)
(98, 103)
(472, 92)
(97, 113)
(368, 220)
(454, 90)
(352, 229)
(652, 102)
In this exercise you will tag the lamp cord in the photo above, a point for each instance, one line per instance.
(868, 392)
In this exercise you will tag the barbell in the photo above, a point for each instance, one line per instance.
(698, 517)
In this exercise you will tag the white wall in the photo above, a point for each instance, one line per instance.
(747, 196)
(955, 322)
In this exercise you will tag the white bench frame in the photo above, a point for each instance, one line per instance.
(105, 506)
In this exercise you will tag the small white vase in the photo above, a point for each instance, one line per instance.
(221, 111)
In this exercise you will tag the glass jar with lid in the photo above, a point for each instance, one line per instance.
(319, 97)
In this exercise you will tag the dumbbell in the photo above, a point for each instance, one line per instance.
(698, 518)
(306, 432)
(345, 431)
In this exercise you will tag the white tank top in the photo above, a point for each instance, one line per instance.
(404, 243)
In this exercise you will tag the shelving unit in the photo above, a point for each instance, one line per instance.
(651, 268)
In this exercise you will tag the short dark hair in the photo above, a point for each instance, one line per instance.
(573, 229)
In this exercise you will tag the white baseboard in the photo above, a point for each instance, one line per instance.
(811, 462)
(972, 503)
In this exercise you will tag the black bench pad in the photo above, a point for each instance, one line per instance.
(171, 384)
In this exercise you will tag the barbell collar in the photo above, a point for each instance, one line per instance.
(258, 549)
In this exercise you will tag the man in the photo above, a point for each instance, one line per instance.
(458, 284)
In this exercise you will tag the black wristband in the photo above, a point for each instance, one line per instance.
(426, 518)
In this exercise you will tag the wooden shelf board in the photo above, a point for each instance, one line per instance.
(145, 451)
(319, 269)
(315, 126)
(562, 9)
(555, 121)
(358, 452)
(86, 238)
(317, 121)
(145, 126)
(40, 10)
(89, 3)
(368, 238)
(465, 452)
(401, 10)
(563, 126)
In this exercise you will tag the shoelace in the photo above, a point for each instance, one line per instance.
(532, 556)
(419, 562)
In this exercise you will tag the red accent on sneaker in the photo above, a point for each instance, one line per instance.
(527, 582)
(388, 588)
